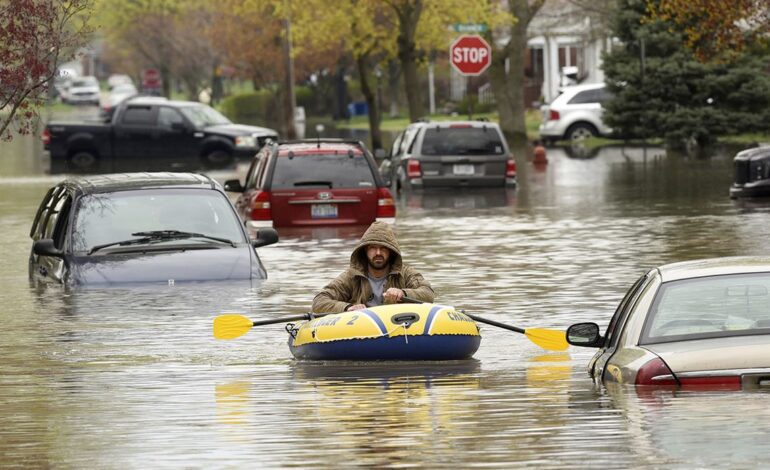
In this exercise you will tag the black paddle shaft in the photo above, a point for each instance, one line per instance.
(473, 317)
(304, 316)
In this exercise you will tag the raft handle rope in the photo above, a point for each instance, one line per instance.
(314, 332)
(292, 330)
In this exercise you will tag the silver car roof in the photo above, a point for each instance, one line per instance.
(714, 267)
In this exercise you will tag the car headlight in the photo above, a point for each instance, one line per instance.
(245, 141)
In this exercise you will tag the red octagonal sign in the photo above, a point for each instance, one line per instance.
(470, 54)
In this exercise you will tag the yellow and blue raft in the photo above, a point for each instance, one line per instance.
(388, 332)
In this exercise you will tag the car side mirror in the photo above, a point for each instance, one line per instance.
(233, 186)
(585, 334)
(265, 236)
(46, 247)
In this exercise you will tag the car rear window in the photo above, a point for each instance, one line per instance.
(729, 305)
(322, 170)
(599, 95)
(462, 141)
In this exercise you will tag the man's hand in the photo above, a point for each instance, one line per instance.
(392, 295)
(355, 307)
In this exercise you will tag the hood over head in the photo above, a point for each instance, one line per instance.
(379, 233)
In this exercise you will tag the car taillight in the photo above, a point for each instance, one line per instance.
(386, 207)
(553, 115)
(413, 169)
(655, 372)
(510, 168)
(260, 206)
(46, 137)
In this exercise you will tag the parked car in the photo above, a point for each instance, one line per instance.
(116, 80)
(752, 173)
(152, 133)
(82, 90)
(703, 323)
(142, 228)
(575, 114)
(450, 154)
(312, 183)
(118, 94)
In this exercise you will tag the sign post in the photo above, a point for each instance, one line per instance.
(470, 55)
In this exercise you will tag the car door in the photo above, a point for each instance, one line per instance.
(598, 363)
(51, 221)
(174, 144)
(134, 134)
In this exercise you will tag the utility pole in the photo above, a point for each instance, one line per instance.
(290, 101)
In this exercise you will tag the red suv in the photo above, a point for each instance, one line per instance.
(312, 183)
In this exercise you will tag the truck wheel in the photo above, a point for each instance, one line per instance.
(83, 160)
(580, 131)
(217, 158)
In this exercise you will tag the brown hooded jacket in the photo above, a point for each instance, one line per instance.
(352, 286)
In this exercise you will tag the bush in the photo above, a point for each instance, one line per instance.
(257, 108)
(478, 108)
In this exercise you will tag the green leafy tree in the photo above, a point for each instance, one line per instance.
(661, 90)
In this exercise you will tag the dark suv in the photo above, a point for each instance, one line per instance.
(310, 183)
(450, 154)
(142, 228)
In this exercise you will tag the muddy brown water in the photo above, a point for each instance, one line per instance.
(130, 377)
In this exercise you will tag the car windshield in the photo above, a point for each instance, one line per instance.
(462, 141)
(715, 306)
(107, 218)
(322, 170)
(203, 116)
(84, 82)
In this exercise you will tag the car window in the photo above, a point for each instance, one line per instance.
(204, 116)
(598, 95)
(325, 170)
(709, 307)
(113, 217)
(168, 116)
(396, 149)
(256, 170)
(462, 141)
(139, 115)
(38, 224)
(612, 335)
(60, 226)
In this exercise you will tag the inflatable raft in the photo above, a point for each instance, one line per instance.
(389, 332)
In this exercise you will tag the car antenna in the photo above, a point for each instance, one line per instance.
(318, 129)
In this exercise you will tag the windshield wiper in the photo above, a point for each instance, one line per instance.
(159, 236)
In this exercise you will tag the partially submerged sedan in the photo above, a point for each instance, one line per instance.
(694, 324)
(142, 228)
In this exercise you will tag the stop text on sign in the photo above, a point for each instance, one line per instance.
(470, 54)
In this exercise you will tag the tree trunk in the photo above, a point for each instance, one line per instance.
(515, 88)
(408, 18)
(371, 102)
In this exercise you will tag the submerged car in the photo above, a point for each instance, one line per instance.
(752, 173)
(693, 324)
(450, 154)
(312, 183)
(142, 228)
(82, 90)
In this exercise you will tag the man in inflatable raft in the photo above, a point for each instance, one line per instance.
(377, 275)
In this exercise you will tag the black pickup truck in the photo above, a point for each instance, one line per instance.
(152, 134)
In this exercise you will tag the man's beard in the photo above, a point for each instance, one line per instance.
(378, 262)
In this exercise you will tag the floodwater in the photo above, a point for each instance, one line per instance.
(132, 378)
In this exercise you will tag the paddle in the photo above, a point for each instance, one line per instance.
(232, 325)
(553, 340)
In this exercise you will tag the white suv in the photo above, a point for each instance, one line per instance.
(575, 114)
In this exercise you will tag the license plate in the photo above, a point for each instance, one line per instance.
(323, 211)
(463, 169)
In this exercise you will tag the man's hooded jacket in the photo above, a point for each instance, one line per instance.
(352, 286)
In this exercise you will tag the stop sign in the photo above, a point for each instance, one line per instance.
(470, 54)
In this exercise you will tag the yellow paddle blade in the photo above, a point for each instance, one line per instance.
(548, 339)
(231, 326)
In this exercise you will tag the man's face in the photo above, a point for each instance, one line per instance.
(378, 256)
